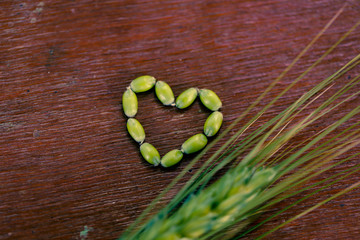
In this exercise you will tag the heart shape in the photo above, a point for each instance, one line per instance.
(166, 96)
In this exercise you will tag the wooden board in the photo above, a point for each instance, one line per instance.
(66, 160)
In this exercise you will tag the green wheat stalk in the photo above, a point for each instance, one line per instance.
(270, 168)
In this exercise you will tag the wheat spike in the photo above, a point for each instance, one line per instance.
(265, 174)
(213, 207)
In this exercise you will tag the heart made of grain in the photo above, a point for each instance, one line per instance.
(166, 96)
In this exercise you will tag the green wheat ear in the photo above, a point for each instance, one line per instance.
(259, 180)
(214, 207)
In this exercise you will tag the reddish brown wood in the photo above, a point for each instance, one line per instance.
(66, 159)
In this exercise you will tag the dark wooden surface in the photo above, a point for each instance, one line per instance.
(66, 160)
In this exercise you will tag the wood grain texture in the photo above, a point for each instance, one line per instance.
(66, 160)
